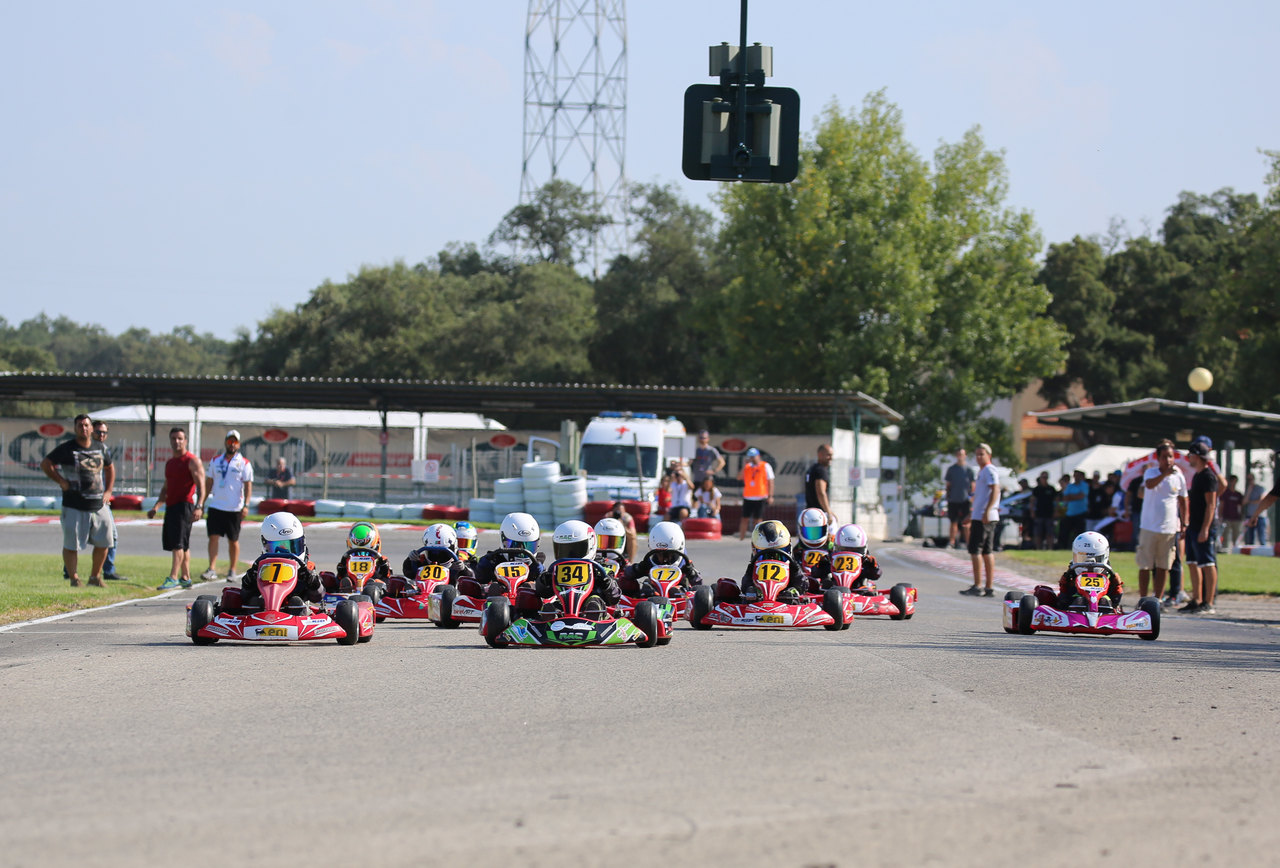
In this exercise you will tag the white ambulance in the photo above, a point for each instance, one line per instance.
(624, 454)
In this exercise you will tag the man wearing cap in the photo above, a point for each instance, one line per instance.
(230, 479)
(757, 490)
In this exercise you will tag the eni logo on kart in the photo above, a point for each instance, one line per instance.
(772, 619)
(271, 631)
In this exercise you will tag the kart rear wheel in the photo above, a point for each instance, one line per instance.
(448, 593)
(375, 591)
(1151, 606)
(347, 616)
(495, 621)
(657, 603)
(898, 597)
(1012, 597)
(646, 619)
(833, 605)
(1026, 608)
(704, 600)
(202, 614)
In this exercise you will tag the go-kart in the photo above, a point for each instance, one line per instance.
(449, 606)
(722, 606)
(663, 588)
(566, 621)
(899, 603)
(1090, 612)
(357, 578)
(411, 601)
(279, 617)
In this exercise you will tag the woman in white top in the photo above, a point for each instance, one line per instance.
(681, 488)
(707, 499)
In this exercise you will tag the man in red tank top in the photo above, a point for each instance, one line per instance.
(181, 494)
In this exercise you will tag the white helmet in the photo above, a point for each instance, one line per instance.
(1090, 547)
(574, 539)
(666, 536)
(440, 536)
(282, 534)
(611, 536)
(520, 531)
(852, 538)
(812, 528)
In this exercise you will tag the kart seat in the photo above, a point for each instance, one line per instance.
(469, 587)
(727, 591)
(629, 587)
(527, 600)
(231, 599)
(396, 586)
(1046, 596)
(329, 581)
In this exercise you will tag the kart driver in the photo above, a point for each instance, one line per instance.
(814, 546)
(1089, 547)
(666, 549)
(771, 541)
(468, 541)
(576, 541)
(519, 534)
(363, 535)
(852, 538)
(439, 546)
(282, 537)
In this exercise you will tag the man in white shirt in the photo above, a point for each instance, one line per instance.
(982, 524)
(230, 478)
(1164, 514)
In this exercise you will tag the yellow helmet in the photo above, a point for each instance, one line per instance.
(770, 534)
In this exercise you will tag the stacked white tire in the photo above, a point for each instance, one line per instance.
(537, 477)
(330, 508)
(508, 497)
(568, 497)
(481, 509)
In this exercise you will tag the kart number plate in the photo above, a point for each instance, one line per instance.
(433, 573)
(845, 563)
(511, 570)
(813, 557)
(772, 619)
(771, 571)
(360, 566)
(1091, 581)
(572, 574)
(277, 572)
(664, 574)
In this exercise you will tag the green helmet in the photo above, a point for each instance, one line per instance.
(364, 535)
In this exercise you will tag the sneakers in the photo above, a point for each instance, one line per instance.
(1203, 609)
(233, 576)
(1168, 603)
(972, 591)
(1190, 608)
(1183, 597)
(209, 575)
(115, 577)
(169, 584)
(989, 592)
(185, 583)
(75, 583)
(96, 582)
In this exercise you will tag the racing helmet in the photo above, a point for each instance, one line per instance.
(812, 528)
(440, 536)
(520, 530)
(611, 536)
(468, 536)
(666, 542)
(574, 539)
(363, 535)
(282, 534)
(771, 534)
(1090, 547)
(852, 538)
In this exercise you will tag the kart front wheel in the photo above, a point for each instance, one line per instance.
(1026, 609)
(704, 600)
(898, 597)
(202, 614)
(495, 621)
(833, 605)
(347, 616)
(646, 620)
(658, 603)
(1151, 606)
(448, 593)
(1012, 597)
(375, 591)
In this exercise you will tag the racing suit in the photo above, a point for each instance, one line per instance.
(822, 569)
(308, 588)
(1067, 591)
(870, 571)
(605, 587)
(639, 571)
(797, 581)
(381, 568)
(418, 558)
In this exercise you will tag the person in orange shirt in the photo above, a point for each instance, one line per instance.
(757, 490)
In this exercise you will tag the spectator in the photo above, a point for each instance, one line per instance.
(83, 470)
(707, 498)
(1115, 503)
(1023, 515)
(182, 493)
(227, 503)
(1265, 503)
(757, 490)
(1202, 503)
(959, 480)
(619, 511)
(1076, 497)
(707, 460)
(1232, 517)
(1255, 532)
(1099, 500)
(100, 431)
(1043, 504)
(817, 483)
(681, 489)
(1164, 513)
(280, 479)
(982, 523)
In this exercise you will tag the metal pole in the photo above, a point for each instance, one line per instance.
(857, 454)
(324, 486)
(475, 479)
(151, 443)
(635, 438)
(383, 437)
(741, 108)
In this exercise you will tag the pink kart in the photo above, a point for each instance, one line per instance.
(899, 603)
(1091, 611)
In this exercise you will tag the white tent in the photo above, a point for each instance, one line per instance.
(1101, 458)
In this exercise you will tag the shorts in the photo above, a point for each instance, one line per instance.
(175, 535)
(1200, 554)
(219, 522)
(960, 512)
(753, 507)
(1155, 550)
(981, 535)
(82, 528)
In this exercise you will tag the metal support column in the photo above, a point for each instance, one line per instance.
(383, 438)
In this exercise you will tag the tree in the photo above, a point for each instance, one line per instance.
(873, 271)
(557, 226)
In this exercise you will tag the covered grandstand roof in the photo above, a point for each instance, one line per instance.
(1150, 419)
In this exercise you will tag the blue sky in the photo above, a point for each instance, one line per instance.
(173, 163)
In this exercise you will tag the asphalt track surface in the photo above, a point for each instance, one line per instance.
(939, 740)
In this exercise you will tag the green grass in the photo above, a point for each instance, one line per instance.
(1237, 574)
(31, 586)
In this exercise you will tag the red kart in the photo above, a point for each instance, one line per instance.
(723, 606)
(449, 606)
(357, 578)
(899, 604)
(279, 618)
(1090, 612)
(403, 601)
